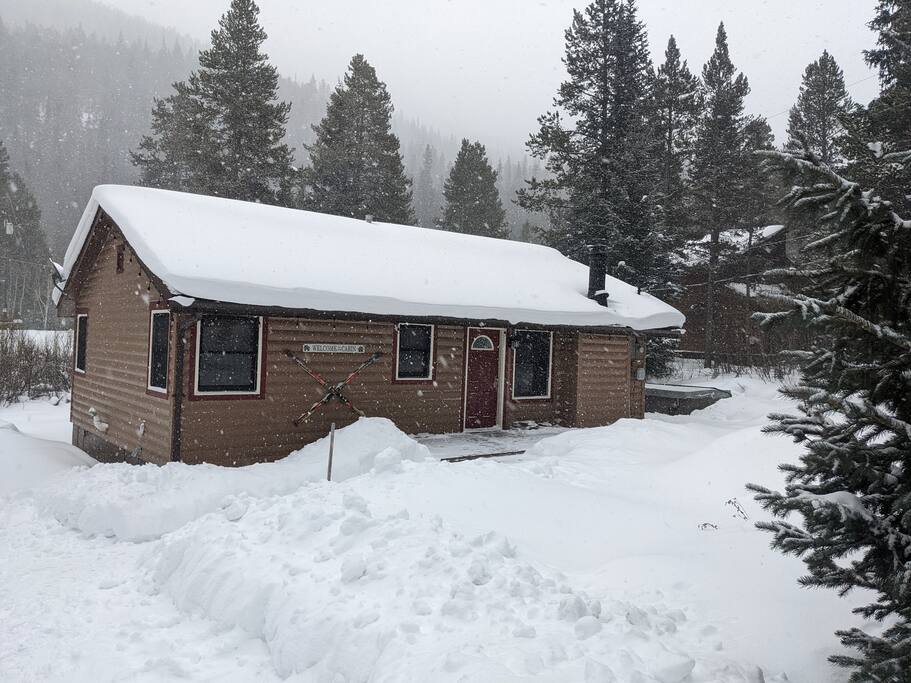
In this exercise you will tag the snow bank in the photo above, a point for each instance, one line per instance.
(611, 554)
(26, 461)
(42, 418)
(371, 443)
(247, 253)
(46, 337)
(142, 503)
(342, 592)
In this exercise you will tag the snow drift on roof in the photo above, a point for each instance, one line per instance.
(737, 240)
(254, 254)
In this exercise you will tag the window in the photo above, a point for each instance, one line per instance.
(159, 328)
(531, 364)
(415, 351)
(120, 249)
(227, 353)
(82, 332)
(482, 343)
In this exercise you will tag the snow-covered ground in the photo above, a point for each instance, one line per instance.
(612, 554)
(50, 336)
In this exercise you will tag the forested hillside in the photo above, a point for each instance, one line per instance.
(92, 17)
(75, 104)
(79, 80)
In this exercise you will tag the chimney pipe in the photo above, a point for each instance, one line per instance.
(369, 218)
(597, 269)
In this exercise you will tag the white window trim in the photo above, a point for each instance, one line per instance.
(259, 364)
(550, 371)
(149, 386)
(76, 367)
(398, 352)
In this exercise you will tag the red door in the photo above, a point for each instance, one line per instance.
(481, 381)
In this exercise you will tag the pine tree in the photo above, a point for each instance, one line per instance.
(885, 125)
(24, 278)
(675, 111)
(597, 146)
(239, 90)
(759, 204)
(222, 131)
(472, 200)
(356, 164)
(719, 159)
(425, 191)
(852, 488)
(179, 154)
(892, 56)
(19, 208)
(815, 121)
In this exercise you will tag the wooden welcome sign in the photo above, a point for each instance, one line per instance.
(314, 347)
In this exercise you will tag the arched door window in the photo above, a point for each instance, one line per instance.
(482, 343)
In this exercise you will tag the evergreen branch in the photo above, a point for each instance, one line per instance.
(850, 195)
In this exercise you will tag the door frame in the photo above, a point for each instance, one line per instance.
(501, 378)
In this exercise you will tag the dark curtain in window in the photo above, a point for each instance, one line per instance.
(158, 353)
(414, 351)
(532, 364)
(82, 331)
(228, 353)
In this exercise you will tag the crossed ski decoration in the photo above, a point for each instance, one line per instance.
(333, 391)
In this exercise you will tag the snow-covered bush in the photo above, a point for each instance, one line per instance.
(33, 365)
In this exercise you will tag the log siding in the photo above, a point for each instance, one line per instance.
(603, 373)
(115, 382)
(242, 432)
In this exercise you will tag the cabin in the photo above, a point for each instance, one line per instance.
(220, 331)
(740, 292)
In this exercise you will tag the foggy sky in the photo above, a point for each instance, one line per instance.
(486, 69)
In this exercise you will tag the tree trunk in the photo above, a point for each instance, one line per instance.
(710, 300)
(749, 293)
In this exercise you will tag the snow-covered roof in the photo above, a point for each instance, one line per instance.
(736, 239)
(254, 254)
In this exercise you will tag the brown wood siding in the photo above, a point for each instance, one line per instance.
(117, 357)
(603, 379)
(560, 408)
(239, 432)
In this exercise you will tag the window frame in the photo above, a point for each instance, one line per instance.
(260, 365)
(431, 364)
(550, 369)
(76, 339)
(153, 390)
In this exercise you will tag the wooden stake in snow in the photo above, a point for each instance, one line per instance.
(331, 448)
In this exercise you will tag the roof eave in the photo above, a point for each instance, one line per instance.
(64, 286)
(204, 306)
